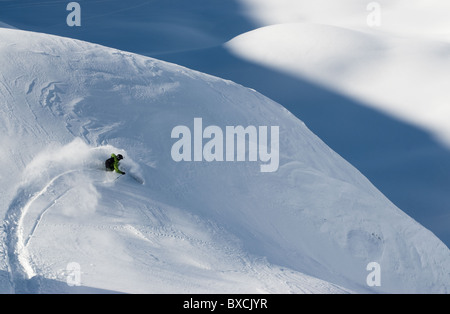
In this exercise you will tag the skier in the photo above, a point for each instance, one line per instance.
(112, 163)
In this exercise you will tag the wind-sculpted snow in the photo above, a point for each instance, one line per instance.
(311, 226)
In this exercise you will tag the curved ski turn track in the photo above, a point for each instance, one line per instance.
(21, 270)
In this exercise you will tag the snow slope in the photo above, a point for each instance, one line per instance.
(395, 69)
(190, 227)
(383, 71)
(395, 147)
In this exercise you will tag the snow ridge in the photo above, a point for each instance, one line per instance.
(191, 227)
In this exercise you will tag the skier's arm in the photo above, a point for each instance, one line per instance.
(116, 164)
(116, 167)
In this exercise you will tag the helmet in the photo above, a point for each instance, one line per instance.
(119, 157)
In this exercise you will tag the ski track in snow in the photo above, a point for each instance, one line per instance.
(21, 271)
(41, 215)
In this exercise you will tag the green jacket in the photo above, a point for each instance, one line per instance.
(116, 164)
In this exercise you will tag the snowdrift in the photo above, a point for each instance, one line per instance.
(312, 226)
(389, 72)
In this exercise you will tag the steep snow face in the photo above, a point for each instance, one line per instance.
(188, 226)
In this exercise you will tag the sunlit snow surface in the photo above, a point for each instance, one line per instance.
(190, 227)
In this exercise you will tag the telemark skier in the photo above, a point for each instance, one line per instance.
(112, 164)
